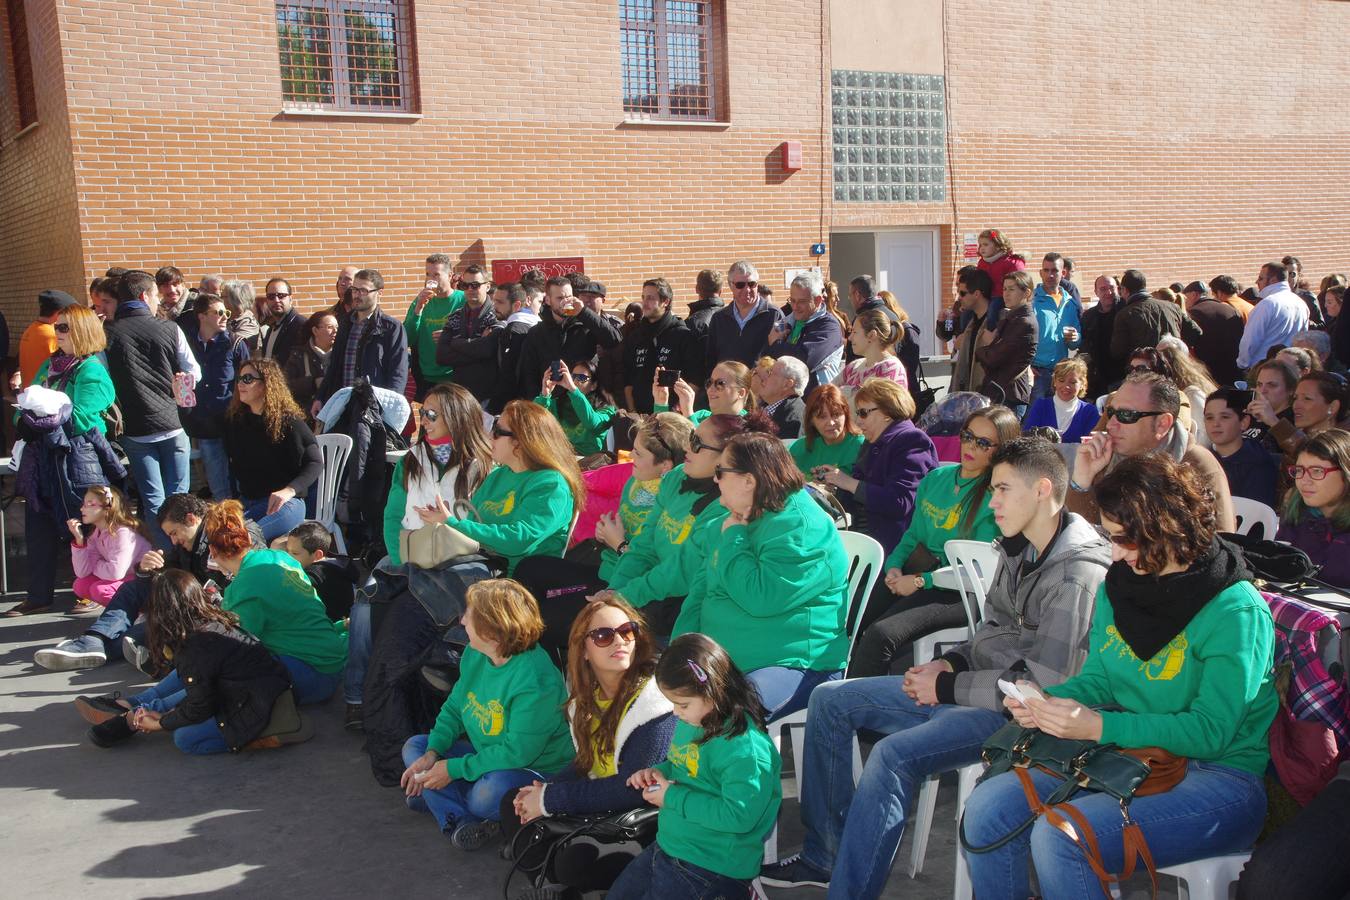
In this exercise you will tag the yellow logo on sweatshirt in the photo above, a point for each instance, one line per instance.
(490, 718)
(1165, 665)
(686, 757)
(500, 508)
(677, 530)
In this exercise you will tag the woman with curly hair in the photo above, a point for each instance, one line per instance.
(273, 455)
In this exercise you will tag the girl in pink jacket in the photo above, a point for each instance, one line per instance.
(105, 559)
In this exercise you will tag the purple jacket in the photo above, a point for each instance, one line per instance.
(890, 470)
(1326, 547)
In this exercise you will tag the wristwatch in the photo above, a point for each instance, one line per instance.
(622, 548)
(918, 582)
(1074, 485)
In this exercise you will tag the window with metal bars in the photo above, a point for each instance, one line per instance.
(21, 63)
(346, 54)
(669, 63)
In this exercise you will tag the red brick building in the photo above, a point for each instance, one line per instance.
(291, 137)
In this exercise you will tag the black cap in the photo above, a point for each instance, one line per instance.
(1196, 287)
(50, 299)
(593, 287)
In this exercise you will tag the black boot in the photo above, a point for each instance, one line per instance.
(114, 731)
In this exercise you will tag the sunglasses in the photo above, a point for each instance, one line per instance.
(865, 411)
(697, 444)
(62, 327)
(719, 471)
(581, 377)
(742, 285)
(250, 378)
(277, 295)
(499, 431)
(220, 313)
(968, 437)
(472, 285)
(603, 637)
(719, 383)
(1316, 473)
(430, 414)
(1128, 416)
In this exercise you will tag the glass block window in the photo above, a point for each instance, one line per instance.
(346, 54)
(890, 137)
(666, 49)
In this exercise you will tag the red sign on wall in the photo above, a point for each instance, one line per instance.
(508, 270)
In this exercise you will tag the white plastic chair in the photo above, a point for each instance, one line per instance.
(974, 564)
(335, 448)
(966, 776)
(1251, 513)
(1207, 879)
(865, 559)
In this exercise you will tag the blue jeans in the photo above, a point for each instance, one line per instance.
(161, 697)
(853, 833)
(358, 652)
(783, 691)
(159, 468)
(309, 684)
(217, 465)
(120, 616)
(462, 802)
(656, 875)
(1043, 382)
(1214, 810)
(273, 526)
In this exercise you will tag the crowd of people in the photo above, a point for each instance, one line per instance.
(608, 552)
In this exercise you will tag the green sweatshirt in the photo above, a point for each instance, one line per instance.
(657, 564)
(91, 392)
(523, 514)
(586, 426)
(724, 800)
(773, 592)
(512, 714)
(939, 508)
(635, 508)
(424, 328)
(696, 416)
(276, 603)
(843, 454)
(1207, 695)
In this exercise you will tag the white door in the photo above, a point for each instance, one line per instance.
(907, 263)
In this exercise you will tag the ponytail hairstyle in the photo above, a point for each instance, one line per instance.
(894, 306)
(1009, 428)
(178, 608)
(887, 330)
(226, 533)
(695, 665)
(470, 450)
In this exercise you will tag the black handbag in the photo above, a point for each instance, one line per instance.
(535, 845)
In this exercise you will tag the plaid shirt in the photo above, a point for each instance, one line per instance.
(1314, 696)
(353, 349)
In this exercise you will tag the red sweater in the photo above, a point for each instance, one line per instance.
(1000, 267)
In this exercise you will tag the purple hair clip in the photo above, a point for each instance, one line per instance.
(701, 675)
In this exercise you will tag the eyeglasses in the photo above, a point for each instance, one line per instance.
(361, 292)
(219, 313)
(1316, 473)
(1128, 416)
(719, 471)
(499, 431)
(742, 285)
(1123, 542)
(697, 444)
(719, 383)
(250, 378)
(580, 377)
(277, 295)
(968, 437)
(472, 285)
(865, 411)
(429, 414)
(603, 637)
(62, 327)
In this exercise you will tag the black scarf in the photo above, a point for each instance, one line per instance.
(707, 487)
(1151, 610)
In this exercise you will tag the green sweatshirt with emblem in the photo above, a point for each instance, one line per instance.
(584, 425)
(512, 714)
(843, 454)
(658, 564)
(275, 602)
(523, 514)
(723, 802)
(939, 509)
(423, 330)
(635, 508)
(773, 592)
(1208, 695)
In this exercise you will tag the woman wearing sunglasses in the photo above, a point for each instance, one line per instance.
(621, 723)
(583, 407)
(728, 389)
(273, 455)
(772, 585)
(220, 355)
(1179, 657)
(1316, 515)
(655, 571)
(880, 491)
(75, 369)
(952, 504)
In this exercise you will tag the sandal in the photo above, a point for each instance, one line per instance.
(27, 608)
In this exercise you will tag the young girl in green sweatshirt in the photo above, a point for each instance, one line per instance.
(718, 789)
(586, 411)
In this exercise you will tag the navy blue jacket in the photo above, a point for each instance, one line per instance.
(727, 340)
(1253, 472)
(820, 338)
(382, 356)
(220, 359)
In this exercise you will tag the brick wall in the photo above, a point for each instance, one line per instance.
(520, 149)
(39, 231)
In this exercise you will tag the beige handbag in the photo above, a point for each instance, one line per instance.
(431, 545)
